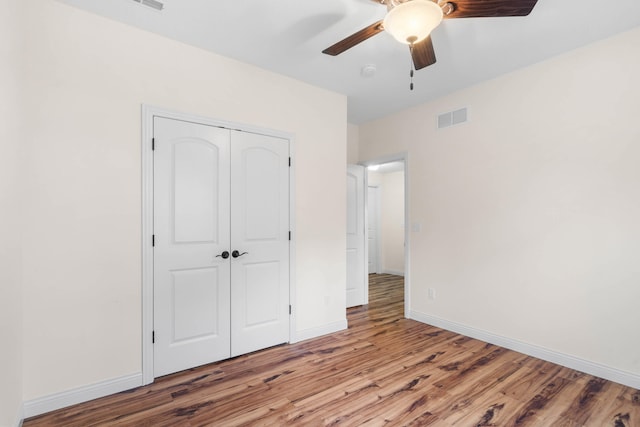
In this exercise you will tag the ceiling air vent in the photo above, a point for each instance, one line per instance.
(154, 4)
(452, 118)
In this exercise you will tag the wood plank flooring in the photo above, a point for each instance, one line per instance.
(383, 370)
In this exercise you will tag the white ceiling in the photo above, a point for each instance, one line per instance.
(287, 37)
(389, 167)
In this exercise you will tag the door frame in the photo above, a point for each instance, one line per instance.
(148, 113)
(399, 157)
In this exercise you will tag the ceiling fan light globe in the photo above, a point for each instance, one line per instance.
(413, 21)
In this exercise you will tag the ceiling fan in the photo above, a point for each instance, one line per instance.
(411, 22)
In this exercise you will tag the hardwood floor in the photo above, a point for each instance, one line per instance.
(383, 370)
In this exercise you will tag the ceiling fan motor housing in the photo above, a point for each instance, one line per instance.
(412, 21)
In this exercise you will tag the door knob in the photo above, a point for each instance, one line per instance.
(237, 254)
(224, 255)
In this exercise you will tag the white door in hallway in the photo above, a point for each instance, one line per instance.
(204, 297)
(356, 238)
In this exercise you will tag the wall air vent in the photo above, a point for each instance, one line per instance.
(452, 118)
(154, 4)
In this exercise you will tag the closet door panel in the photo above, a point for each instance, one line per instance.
(191, 227)
(260, 235)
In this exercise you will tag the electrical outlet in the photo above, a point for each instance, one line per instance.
(432, 293)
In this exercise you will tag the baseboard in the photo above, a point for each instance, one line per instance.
(307, 334)
(394, 272)
(63, 399)
(591, 368)
(19, 416)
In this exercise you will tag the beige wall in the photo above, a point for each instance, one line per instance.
(352, 144)
(86, 80)
(10, 214)
(529, 212)
(374, 178)
(391, 233)
(392, 222)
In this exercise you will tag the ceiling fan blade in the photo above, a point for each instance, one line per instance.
(490, 8)
(354, 39)
(423, 54)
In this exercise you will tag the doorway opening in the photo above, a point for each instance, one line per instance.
(387, 219)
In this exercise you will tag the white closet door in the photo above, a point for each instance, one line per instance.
(191, 228)
(356, 262)
(260, 235)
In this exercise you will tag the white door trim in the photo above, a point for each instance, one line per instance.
(148, 113)
(401, 157)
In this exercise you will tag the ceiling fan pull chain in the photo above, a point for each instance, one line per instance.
(411, 66)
